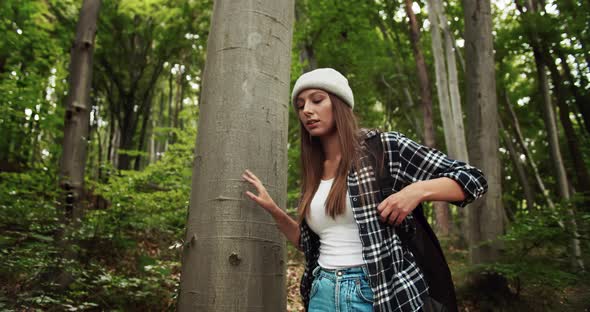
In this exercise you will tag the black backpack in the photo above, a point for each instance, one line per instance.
(423, 244)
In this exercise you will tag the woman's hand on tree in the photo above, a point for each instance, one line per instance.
(262, 199)
(395, 208)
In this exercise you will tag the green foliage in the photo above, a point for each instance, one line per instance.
(141, 228)
(32, 72)
(537, 253)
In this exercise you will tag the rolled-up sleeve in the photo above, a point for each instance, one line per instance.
(410, 162)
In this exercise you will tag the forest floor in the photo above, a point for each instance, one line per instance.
(531, 298)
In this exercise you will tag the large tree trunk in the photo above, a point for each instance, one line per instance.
(77, 117)
(234, 257)
(486, 217)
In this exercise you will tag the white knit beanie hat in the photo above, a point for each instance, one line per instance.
(327, 79)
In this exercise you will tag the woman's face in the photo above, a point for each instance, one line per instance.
(314, 109)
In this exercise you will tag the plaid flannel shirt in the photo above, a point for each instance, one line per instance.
(396, 281)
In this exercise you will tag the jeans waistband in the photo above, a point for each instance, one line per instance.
(343, 273)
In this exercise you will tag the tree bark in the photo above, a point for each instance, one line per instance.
(142, 134)
(486, 216)
(581, 171)
(441, 208)
(234, 257)
(528, 156)
(553, 137)
(442, 85)
(581, 97)
(520, 170)
(77, 118)
(127, 130)
(564, 192)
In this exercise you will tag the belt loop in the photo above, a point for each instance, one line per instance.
(365, 270)
(315, 271)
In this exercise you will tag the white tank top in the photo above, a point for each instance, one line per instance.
(340, 244)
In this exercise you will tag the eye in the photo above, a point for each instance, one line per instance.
(316, 101)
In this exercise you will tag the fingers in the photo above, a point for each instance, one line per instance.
(381, 206)
(386, 212)
(392, 216)
(400, 218)
(252, 196)
(252, 176)
(249, 179)
(391, 213)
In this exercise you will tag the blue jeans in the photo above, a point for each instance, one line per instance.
(344, 290)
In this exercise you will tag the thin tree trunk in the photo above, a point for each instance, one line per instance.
(77, 117)
(161, 143)
(170, 136)
(424, 83)
(111, 137)
(520, 171)
(442, 89)
(99, 141)
(553, 137)
(582, 100)
(455, 97)
(178, 99)
(127, 131)
(152, 144)
(34, 135)
(528, 156)
(114, 155)
(142, 134)
(306, 54)
(447, 82)
(181, 103)
(234, 257)
(486, 216)
(581, 171)
(550, 122)
(441, 208)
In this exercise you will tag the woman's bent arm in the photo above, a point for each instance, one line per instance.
(284, 222)
(439, 189)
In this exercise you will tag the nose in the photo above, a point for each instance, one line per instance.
(307, 108)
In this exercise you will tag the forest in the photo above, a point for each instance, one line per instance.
(110, 180)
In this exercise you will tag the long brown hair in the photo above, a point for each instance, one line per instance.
(312, 159)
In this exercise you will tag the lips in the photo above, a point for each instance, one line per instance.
(312, 121)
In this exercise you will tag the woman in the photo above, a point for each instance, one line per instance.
(355, 259)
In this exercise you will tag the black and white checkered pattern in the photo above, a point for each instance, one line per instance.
(396, 280)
